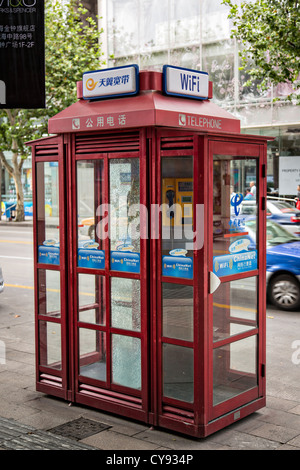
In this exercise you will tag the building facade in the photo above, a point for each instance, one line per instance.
(196, 34)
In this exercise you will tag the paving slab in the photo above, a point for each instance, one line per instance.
(274, 432)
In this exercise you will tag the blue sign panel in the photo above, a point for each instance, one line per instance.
(126, 261)
(236, 263)
(91, 258)
(48, 254)
(177, 266)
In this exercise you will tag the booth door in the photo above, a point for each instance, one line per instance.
(237, 292)
(49, 267)
(110, 301)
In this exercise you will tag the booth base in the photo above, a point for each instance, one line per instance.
(118, 404)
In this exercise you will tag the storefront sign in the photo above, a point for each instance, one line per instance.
(118, 81)
(22, 56)
(289, 175)
(178, 81)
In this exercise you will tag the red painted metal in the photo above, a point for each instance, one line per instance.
(149, 126)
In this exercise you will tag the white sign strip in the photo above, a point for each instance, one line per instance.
(118, 81)
(185, 82)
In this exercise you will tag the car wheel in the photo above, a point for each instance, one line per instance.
(284, 292)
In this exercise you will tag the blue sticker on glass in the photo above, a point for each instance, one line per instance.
(91, 258)
(126, 261)
(177, 266)
(239, 262)
(48, 254)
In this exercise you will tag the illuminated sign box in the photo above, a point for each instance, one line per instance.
(178, 81)
(107, 83)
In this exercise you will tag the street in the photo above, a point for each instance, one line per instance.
(17, 315)
(16, 261)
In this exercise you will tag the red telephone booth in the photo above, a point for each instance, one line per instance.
(150, 290)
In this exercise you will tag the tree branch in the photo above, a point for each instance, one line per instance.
(6, 164)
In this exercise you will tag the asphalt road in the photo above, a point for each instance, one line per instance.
(16, 261)
(17, 304)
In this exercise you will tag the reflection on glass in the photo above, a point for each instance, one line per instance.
(47, 212)
(184, 24)
(126, 361)
(91, 214)
(92, 354)
(123, 33)
(234, 369)
(50, 344)
(218, 62)
(124, 179)
(49, 292)
(235, 308)
(177, 312)
(235, 201)
(91, 298)
(177, 217)
(125, 304)
(215, 24)
(178, 372)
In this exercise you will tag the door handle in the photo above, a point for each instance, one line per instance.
(214, 282)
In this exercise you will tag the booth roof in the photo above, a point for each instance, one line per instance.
(148, 108)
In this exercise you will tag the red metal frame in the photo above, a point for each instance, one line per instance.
(152, 132)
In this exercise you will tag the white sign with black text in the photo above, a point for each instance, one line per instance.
(178, 81)
(289, 175)
(118, 81)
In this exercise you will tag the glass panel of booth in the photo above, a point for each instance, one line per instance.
(48, 236)
(235, 204)
(125, 304)
(177, 216)
(92, 354)
(234, 369)
(235, 253)
(235, 308)
(50, 354)
(177, 249)
(90, 214)
(49, 293)
(124, 206)
(91, 299)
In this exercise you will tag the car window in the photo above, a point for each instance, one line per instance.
(275, 233)
(248, 209)
(284, 207)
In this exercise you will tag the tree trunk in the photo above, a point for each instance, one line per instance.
(15, 172)
(20, 213)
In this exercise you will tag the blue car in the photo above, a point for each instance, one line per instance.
(280, 212)
(283, 265)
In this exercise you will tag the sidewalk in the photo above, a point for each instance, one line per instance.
(32, 420)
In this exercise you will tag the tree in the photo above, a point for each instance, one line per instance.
(269, 31)
(72, 46)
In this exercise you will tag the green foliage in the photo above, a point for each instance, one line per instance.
(72, 47)
(269, 31)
